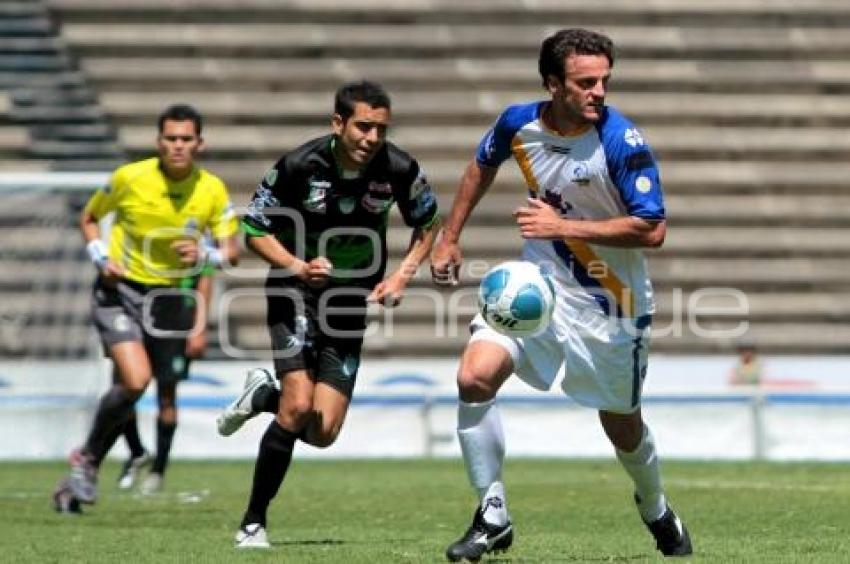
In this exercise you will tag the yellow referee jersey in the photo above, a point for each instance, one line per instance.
(153, 211)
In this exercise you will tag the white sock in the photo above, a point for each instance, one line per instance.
(643, 466)
(482, 442)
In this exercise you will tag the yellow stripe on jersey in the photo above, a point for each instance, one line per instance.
(524, 163)
(153, 211)
(596, 268)
(599, 270)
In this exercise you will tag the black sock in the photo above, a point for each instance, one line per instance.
(131, 436)
(164, 438)
(266, 399)
(273, 461)
(112, 412)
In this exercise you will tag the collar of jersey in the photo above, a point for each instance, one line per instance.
(343, 173)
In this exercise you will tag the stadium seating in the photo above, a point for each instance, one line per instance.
(744, 101)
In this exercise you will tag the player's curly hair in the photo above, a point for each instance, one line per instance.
(557, 47)
(365, 91)
(181, 112)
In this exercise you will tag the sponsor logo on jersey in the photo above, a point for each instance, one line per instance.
(262, 199)
(315, 201)
(378, 197)
(349, 366)
(561, 150)
(643, 184)
(632, 137)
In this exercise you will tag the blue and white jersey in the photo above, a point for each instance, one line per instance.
(606, 172)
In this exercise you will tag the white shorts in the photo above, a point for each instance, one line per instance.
(602, 359)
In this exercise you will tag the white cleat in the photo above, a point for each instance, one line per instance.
(132, 467)
(252, 536)
(152, 484)
(240, 410)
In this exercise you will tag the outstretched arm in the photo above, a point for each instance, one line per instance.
(389, 292)
(446, 258)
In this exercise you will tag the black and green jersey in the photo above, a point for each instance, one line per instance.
(308, 205)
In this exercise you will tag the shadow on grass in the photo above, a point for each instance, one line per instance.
(568, 558)
(310, 542)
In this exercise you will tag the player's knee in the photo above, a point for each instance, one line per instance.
(323, 438)
(135, 390)
(475, 385)
(625, 431)
(297, 412)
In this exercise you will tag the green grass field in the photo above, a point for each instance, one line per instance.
(408, 511)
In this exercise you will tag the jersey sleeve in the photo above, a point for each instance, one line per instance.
(223, 222)
(632, 168)
(261, 217)
(495, 147)
(105, 199)
(416, 201)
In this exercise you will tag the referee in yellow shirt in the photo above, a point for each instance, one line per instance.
(163, 206)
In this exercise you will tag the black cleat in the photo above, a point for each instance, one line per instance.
(671, 535)
(481, 537)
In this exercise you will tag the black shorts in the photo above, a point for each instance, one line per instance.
(324, 337)
(159, 316)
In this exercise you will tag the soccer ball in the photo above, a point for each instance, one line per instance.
(516, 299)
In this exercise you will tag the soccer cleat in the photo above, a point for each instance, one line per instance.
(152, 484)
(240, 410)
(64, 500)
(671, 535)
(481, 537)
(132, 467)
(252, 535)
(82, 480)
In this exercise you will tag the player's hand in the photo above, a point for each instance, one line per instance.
(317, 272)
(188, 250)
(196, 344)
(446, 259)
(539, 220)
(388, 292)
(111, 273)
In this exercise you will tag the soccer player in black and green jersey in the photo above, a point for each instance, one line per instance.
(319, 218)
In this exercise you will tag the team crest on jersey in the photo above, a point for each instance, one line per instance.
(633, 137)
(580, 173)
(347, 205)
(378, 197)
(315, 201)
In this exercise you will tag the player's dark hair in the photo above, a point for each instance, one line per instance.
(181, 112)
(557, 47)
(365, 91)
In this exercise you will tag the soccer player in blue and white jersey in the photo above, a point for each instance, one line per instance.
(595, 202)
